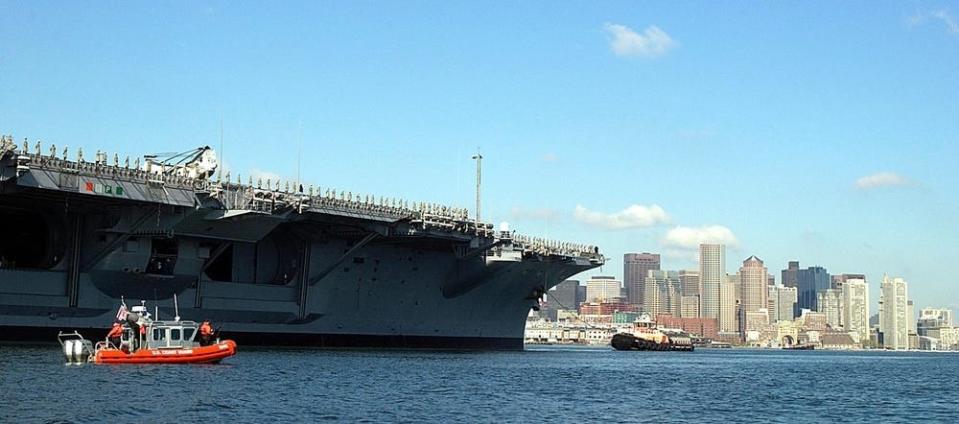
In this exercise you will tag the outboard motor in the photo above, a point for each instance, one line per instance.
(76, 349)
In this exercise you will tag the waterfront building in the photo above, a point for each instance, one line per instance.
(911, 314)
(624, 317)
(712, 273)
(855, 308)
(812, 321)
(756, 329)
(601, 288)
(702, 327)
(636, 267)
(935, 318)
(829, 302)
(936, 329)
(894, 313)
(811, 281)
(790, 275)
(753, 283)
(838, 341)
(605, 308)
(663, 294)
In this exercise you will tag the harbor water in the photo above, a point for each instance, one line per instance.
(542, 384)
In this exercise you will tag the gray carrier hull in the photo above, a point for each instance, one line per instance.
(269, 266)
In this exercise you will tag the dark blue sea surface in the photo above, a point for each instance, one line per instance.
(549, 384)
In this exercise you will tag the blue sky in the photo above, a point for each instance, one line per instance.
(820, 132)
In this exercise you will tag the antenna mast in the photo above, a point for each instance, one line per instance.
(219, 166)
(479, 179)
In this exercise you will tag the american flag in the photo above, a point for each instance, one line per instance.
(122, 312)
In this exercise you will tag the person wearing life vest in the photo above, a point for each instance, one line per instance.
(114, 335)
(206, 333)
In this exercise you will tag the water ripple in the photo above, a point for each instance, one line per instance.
(543, 384)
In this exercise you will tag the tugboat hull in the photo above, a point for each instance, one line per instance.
(624, 341)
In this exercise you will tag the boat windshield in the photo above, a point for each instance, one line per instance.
(173, 335)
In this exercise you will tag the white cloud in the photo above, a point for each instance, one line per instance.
(536, 214)
(952, 26)
(550, 157)
(692, 237)
(883, 179)
(628, 43)
(635, 216)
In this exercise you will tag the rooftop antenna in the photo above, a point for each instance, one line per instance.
(479, 178)
(299, 150)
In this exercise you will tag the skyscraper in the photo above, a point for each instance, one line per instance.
(811, 281)
(635, 269)
(692, 289)
(829, 303)
(894, 313)
(753, 280)
(690, 282)
(855, 308)
(782, 303)
(602, 288)
(790, 275)
(728, 307)
(839, 280)
(662, 293)
(563, 296)
(712, 274)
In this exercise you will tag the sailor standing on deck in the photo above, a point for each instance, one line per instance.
(206, 333)
(114, 335)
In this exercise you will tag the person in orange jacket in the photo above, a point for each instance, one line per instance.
(206, 333)
(114, 335)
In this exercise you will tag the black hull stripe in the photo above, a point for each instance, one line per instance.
(48, 335)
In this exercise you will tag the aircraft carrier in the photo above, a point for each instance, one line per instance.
(272, 263)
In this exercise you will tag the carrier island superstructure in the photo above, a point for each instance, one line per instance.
(275, 263)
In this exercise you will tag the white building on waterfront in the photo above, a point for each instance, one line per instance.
(855, 308)
(829, 302)
(894, 319)
(936, 317)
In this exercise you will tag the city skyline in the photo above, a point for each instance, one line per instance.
(747, 308)
(650, 125)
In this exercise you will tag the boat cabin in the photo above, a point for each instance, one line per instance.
(172, 334)
(162, 335)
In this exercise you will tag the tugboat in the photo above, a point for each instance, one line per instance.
(804, 346)
(644, 336)
(136, 338)
(651, 341)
